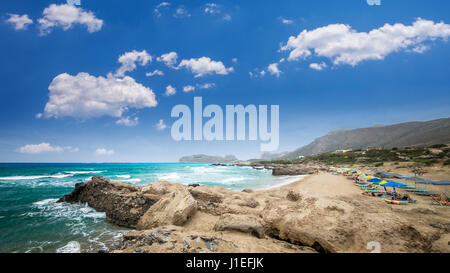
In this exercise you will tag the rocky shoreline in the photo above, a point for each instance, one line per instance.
(174, 218)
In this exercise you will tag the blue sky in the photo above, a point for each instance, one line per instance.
(395, 73)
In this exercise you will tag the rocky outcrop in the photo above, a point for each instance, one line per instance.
(301, 217)
(123, 204)
(293, 170)
(243, 223)
(175, 207)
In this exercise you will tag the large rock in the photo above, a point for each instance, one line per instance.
(242, 223)
(123, 204)
(175, 207)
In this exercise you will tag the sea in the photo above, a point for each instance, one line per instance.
(31, 220)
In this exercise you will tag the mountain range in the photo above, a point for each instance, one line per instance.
(397, 135)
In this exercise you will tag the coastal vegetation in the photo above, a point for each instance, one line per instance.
(438, 154)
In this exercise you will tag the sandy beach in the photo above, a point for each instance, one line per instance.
(320, 213)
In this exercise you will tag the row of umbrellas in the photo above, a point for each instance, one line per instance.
(375, 180)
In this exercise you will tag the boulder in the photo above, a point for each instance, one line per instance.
(176, 207)
(123, 204)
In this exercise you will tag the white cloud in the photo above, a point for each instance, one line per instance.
(227, 17)
(211, 8)
(262, 73)
(84, 96)
(234, 60)
(65, 16)
(206, 85)
(170, 90)
(343, 45)
(188, 88)
(286, 21)
(156, 72)
(169, 59)
(128, 121)
(317, 66)
(205, 66)
(19, 22)
(160, 126)
(45, 148)
(274, 70)
(129, 60)
(160, 6)
(181, 13)
(103, 151)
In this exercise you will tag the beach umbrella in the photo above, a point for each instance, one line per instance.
(380, 182)
(375, 179)
(394, 184)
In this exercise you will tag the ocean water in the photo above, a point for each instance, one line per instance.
(32, 221)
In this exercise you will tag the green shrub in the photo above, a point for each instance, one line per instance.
(437, 146)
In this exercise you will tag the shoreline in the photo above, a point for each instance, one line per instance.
(319, 213)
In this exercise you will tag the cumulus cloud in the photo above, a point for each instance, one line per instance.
(160, 126)
(20, 22)
(206, 85)
(169, 59)
(211, 8)
(317, 66)
(103, 151)
(344, 45)
(181, 13)
(205, 66)
(274, 70)
(227, 17)
(188, 88)
(84, 96)
(129, 60)
(45, 148)
(128, 121)
(170, 90)
(155, 73)
(159, 7)
(65, 16)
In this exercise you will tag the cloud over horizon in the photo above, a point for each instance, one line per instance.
(44, 148)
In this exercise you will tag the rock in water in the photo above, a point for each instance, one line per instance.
(123, 204)
(293, 170)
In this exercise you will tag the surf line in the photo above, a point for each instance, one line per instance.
(235, 121)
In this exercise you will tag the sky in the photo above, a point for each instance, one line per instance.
(96, 82)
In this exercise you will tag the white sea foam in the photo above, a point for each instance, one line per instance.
(126, 176)
(233, 179)
(133, 180)
(169, 176)
(286, 180)
(84, 172)
(71, 247)
(34, 177)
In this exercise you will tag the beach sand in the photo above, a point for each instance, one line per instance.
(321, 213)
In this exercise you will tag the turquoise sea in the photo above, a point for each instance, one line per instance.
(32, 221)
